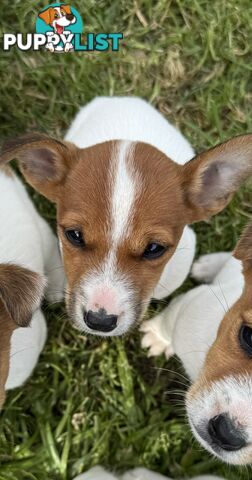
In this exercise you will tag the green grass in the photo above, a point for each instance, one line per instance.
(92, 401)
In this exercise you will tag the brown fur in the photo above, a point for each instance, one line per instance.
(48, 14)
(171, 196)
(20, 295)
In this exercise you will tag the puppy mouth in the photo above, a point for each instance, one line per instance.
(59, 28)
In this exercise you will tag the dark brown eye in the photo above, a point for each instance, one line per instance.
(56, 15)
(75, 237)
(154, 250)
(245, 338)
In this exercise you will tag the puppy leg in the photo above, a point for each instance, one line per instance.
(53, 265)
(205, 269)
(158, 331)
(96, 473)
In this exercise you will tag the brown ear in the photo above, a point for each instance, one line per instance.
(66, 9)
(46, 15)
(243, 249)
(212, 177)
(21, 291)
(44, 161)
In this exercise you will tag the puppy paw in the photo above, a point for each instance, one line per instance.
(205, 269)
(153, 338)
(50, 47)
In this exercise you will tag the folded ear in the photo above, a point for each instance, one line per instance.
(21, 291)
(212, 177)
(44, 161)
(47, 15)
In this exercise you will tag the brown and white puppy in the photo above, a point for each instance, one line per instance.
(123, 203)
(210, 330)
(20, 295)
(219, 403)
(58, 17)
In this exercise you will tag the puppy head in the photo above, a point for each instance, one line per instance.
(58, 17)
(121, 210)
(20, 295)
(219, 404)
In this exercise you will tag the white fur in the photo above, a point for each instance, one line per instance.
(27, 240)
(107, 277)
(124, 192)
(132, 119)
(98, 473)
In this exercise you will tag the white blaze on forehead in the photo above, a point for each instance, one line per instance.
(124, 190)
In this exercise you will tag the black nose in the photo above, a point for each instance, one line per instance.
(224, 434)
(100, 320)
(70, 17)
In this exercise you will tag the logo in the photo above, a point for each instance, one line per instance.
(59, 29)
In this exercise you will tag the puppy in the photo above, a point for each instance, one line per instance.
(28, 250)
(58, 18)
(125, 191)
(215, 351)
(99, 473)
(20, 295)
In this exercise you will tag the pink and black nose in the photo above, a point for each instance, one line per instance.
(100, 320)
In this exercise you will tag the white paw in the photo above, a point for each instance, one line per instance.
(153, 338)
(68, 47)
(208, 266)
(50, 47)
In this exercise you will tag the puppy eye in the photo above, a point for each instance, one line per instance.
(63, 13)
(56, 15)
(75, 237)
(154, 250)
(245, 338)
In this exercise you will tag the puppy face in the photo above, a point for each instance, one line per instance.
(58, 17)
(20, 295)
(121, 210)
(219, 404)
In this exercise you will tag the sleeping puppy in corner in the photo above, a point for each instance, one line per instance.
(210, 329)
(125, 191)
(28, 254)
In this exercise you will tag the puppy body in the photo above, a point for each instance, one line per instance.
(189, 325)
(28, 250)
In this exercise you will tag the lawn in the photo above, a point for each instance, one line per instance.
(91, 401)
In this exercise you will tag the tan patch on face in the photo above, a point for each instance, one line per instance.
(86, 204)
